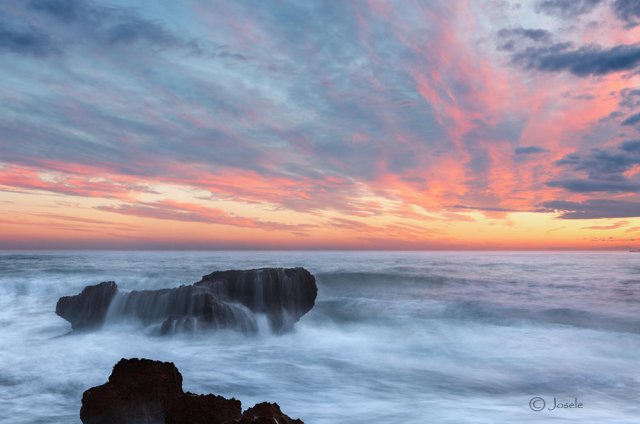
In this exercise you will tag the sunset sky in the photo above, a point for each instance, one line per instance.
(320, 124)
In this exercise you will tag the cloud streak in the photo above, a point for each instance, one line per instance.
(584, 61)
(607, 170)
(594, 209)
(632, 120)
(530, 150)
(628, 11)
(566, 8)
(191, 212)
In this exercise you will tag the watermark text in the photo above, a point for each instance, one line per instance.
(538, 404)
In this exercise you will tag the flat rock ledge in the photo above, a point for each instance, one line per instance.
(143, 391)
(232, 299)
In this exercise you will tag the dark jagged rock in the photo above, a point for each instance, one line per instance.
(89, 308)
(264, 413)
(138, 390)
(210, 409)
(142, 391)
(223, 299)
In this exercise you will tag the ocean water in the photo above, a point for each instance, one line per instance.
(394, 337)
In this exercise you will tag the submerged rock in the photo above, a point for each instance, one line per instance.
(142, 391)
(223, 299)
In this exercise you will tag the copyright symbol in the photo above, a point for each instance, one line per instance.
(537, 404)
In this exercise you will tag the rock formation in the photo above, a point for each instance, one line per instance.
(89, 308)
(223, 299)
(142, 391)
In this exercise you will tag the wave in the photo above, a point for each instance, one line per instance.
(369, 311)
(505, 315)
(386, 283)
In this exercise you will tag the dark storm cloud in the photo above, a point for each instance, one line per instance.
(628, 11)
(65, 10)
(132, 32)
(63, 26)
(632, 146)
(566, 8)
(113, 26)
(529, 150)
(512, 38)
(540, 35)
(535, 49)
(594, 208)
(582, 62)
(106, 25)
(592, 186)
(630, 98)
(605, 170)
(26, 41)
(599, 162)
(632, 120)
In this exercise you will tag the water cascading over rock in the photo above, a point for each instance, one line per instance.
(222, 300)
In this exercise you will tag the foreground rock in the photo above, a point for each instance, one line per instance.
(224, 299)
(142, 391)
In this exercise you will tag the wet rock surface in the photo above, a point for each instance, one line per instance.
(142, 391)
(89, 308)
(224, 299)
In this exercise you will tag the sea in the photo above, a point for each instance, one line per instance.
(394, 337)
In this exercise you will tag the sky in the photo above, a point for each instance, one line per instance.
(387, 125)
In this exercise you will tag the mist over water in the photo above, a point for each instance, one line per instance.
(437, 337)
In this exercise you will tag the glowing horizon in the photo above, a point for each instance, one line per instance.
(445, 125)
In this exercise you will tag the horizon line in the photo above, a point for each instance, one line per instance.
(257, 249)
